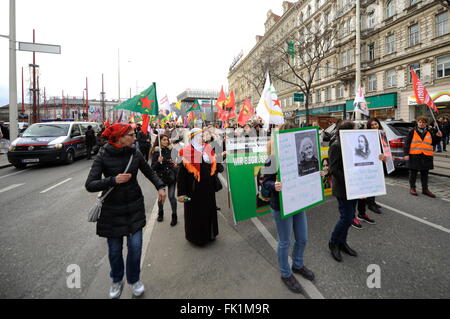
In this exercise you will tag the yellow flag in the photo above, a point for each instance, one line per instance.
(178, 105)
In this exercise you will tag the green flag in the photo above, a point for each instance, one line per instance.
(145, 103)
(194, 107)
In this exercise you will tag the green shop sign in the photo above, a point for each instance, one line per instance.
(375, 102)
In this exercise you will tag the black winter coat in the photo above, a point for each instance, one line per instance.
(419, 161)
(337, 170)
(167, 163)
(123, 210)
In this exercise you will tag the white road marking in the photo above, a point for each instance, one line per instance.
(439, 227)
(4, 176)
(446, 199)
(60, 183)
(307, 285)
(10, 187)
(148, 231)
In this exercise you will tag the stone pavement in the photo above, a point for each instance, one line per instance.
(4, 161)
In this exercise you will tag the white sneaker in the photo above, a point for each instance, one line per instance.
(116, 290)
(138, 288)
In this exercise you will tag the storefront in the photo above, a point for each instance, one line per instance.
(380, 106)
(322, 115)
(441, 99)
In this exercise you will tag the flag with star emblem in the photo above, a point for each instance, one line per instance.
(194, 107)
(145, 103)
(246, 112)
(269, 108)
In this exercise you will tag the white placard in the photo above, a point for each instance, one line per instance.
(363, 170)
(299, 170)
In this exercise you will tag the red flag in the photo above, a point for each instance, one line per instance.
(107, 124)
(246, 112)
(421, 93)
(190, 116)
(145, 123)
(220, 102)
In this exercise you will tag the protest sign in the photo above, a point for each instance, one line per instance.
(363, 170)
(387, 152)
(297, 152)
(327, 179)
(245, 157)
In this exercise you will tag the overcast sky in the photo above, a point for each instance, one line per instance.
(178, 44)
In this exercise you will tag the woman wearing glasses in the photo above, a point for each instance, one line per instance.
(123, 211)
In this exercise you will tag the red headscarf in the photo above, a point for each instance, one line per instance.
(116, 131)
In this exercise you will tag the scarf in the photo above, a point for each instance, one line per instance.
(116, 131)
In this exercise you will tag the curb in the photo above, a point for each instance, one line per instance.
(439, 174)
(6, 165)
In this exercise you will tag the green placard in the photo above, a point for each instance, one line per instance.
(320, 190)
(245, 156)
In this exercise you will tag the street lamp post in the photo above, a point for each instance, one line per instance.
(13, 112)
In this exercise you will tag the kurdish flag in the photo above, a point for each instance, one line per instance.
(145, 103)
(269, 108)
(194, 107)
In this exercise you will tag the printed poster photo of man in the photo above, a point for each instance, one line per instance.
(362, 156)
(307, 153)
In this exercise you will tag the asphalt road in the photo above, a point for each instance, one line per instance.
(41, 234)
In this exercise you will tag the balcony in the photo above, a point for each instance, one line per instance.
(346, 73)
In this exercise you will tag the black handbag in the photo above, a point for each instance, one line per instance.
(217, 184)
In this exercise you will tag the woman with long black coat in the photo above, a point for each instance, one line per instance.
(166, 168)
(123, 211)
(196, 189)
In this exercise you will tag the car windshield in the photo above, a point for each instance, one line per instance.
(401, 129)
(46, 130)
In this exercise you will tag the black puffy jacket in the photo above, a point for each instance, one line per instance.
(123, 210)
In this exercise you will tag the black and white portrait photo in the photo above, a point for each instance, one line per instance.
(362, 153)
(307, 153)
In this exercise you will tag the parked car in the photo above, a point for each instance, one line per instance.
(50, 142)
(396, 132)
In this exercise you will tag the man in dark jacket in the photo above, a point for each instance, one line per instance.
(419, 149)
(90, 141)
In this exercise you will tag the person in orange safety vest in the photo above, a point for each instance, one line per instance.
(419, 149)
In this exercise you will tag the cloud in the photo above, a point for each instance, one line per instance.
(4, 95)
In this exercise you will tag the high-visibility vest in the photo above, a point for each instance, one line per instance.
(419, 146)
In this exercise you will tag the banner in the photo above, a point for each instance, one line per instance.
(390, 167)
(363, 170)
(245, 157)
(327, 179)
(299, 169)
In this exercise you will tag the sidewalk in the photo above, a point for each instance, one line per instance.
(441, 164)
(4, 161)
(227, 268)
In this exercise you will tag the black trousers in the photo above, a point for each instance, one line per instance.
(366, 202)
(145, 149)
(423, 178)
(88, 151)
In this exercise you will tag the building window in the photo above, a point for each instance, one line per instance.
(318, 96)
(340, 91)
(317, 4)
(442, 24)
(327, 69)
(413, 2)
(371, 20)
(390, 8)
(390, 44)
(326, 17)
(328, 94)
(308, 12)
(415, 67)
(443, 66)
(371, 52)
(372, 81)
(413, 32)
(352, 88)
(391, 78)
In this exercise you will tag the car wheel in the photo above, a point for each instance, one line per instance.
(70, 157)
(20, 166)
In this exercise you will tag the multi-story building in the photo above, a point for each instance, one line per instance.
(396, 35)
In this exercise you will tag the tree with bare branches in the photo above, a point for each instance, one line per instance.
(298, 57)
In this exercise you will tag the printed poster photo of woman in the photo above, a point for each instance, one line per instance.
(307, 153)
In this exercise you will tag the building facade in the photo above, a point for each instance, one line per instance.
(396, 35)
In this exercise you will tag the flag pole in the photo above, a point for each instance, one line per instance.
(434, 119)
(159, 143)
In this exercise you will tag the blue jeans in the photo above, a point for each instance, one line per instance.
(134, 243)
(299, 225)
(347, 210)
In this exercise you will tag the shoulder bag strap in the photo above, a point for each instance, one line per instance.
(110, 190)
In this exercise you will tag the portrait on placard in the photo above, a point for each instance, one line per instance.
(307, 153)
(363, 154)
